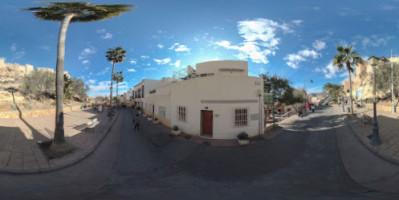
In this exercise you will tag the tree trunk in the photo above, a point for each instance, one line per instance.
(350, 89)
(117, 87)
(112, 83)
(59, 83)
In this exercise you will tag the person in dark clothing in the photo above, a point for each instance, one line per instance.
(136, 122)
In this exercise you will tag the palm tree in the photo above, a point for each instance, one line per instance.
(116, 55)
(346, 56)
(68, 12)
(334, 90)
(118, 77)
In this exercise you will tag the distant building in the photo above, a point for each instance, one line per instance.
(216, 100)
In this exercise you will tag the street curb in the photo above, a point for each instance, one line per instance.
(72, 162)
(368, 147)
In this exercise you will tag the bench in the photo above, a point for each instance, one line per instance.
(92, 124)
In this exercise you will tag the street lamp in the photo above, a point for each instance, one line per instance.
(375, 138)
(392, 92)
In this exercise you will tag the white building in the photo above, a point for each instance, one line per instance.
(217, 99)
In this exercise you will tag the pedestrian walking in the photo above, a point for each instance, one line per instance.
(136, 122)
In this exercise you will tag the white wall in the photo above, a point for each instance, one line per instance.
(215, 66)
(222, 93)
(194, 93)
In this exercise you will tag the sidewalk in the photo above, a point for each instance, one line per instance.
(388, 130)
(362, 164)
(20, 153)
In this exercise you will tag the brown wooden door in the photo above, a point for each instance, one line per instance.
(206, 123)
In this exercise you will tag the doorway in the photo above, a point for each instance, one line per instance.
(207, 123)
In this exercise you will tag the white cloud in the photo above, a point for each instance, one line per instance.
(13, 47)
(160, 46)
(373, 40)
(107, 36)
(131, 70)
(176, 64)
(260, 39)
(123, 84)
(17, 52)
(297, 22)
(91, 81)
(44, 47)
(144, 57)
(86, 62)
(87, 52)
(182, 48)
(104, 34)
(218, 28)
(18, 55)
(329, 71)
(150, 68)
(162, 61)
(133, 61)
(294, 59)
(103, 72)
(319, 45)
(179, 47)
(103, 30)
(101, 86)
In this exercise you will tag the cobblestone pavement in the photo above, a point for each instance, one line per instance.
(20, 153)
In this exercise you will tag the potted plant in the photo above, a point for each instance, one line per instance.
(155, 121)
(243, 138)
(176, 130)
(149, 118)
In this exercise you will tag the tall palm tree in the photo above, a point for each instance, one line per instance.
(68, 12)
(346, 56)
(116, 55)
(118, 77)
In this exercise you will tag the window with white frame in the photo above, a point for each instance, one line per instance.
(241, 117)
(162, 111)
(181, 110)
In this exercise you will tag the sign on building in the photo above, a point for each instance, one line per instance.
(359, 93)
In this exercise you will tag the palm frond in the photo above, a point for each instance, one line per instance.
(84, 11)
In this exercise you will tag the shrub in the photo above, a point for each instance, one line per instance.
(156, 119)
(27, 106)
(39, 84)
(175, 128)
(243, 136)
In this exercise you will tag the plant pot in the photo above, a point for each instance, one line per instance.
(155, 121)
(176, 132)
(149, 118)
(243, 142)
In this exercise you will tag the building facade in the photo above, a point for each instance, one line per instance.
(216, 100)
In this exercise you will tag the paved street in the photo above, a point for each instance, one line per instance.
(302, 162)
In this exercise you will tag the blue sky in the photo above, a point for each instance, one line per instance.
(295, 39)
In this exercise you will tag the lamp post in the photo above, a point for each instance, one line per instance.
(375, 138)
(392, 93)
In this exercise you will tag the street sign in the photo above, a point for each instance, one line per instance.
(268, 98)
